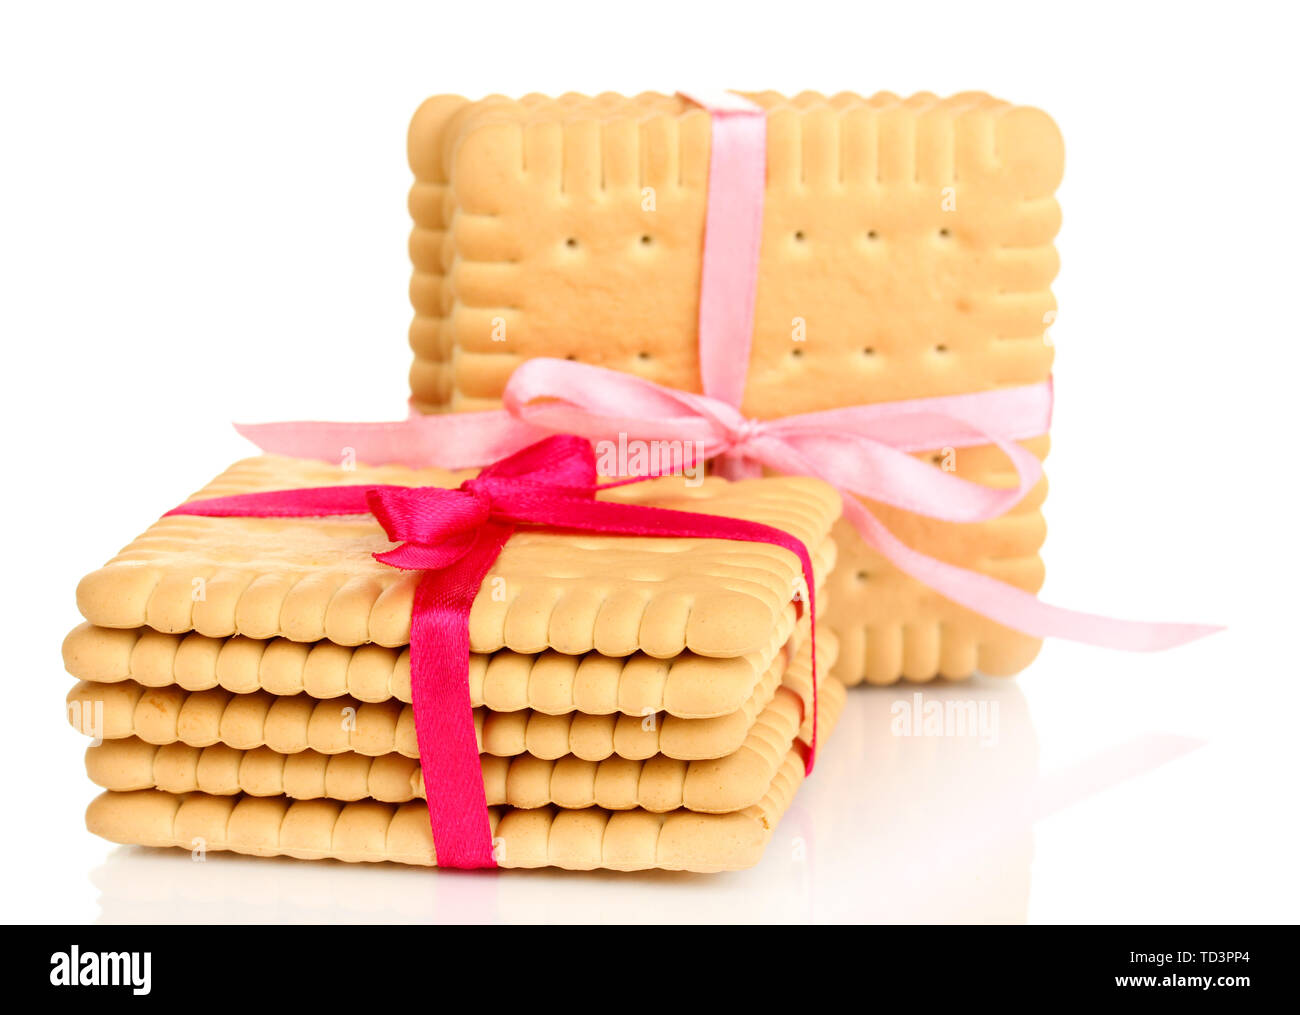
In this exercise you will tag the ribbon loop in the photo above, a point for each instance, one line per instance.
(428, 515)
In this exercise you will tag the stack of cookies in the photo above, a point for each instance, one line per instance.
(907, 252)
(639, 702)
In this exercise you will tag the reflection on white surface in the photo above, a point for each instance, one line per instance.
(890, 828)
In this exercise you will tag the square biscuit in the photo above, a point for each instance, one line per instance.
(890, 225)
(293, 723)
(658, 784)
(688, 686)
(371, 832)
(314, 579)
(368, 831)
(907, 251)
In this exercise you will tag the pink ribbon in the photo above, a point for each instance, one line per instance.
(453, 536)
(733, 234)
(864, 450)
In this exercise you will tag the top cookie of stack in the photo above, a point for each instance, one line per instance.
(653, 688)
(308, 579)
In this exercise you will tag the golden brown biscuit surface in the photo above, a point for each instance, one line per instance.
(688, 686)
(368, 831)
(292, 723)
(655, 784)
(312, 579)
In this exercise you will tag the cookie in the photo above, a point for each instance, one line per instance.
(907, 251)
(656, 784)
(369, 831)
(313, 579)
(289, 724)
(688, 686)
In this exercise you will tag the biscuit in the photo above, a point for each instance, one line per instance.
(721, 733)
(313, 579)
(369, 831)
(689, 686)
(656, 784)
(907, 251)
(289, 724)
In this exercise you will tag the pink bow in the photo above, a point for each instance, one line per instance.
(454, 537)
(864, 451)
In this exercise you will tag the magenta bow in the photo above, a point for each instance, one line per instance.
(454, 536)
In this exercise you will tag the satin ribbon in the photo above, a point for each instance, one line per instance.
(733, 234)
(453, 536)
(863, 451)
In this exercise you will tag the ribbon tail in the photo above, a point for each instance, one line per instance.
(444, 717)
(733, 235)
(815, 703)
(1016, 608)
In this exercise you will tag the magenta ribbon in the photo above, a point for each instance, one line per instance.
(453, 536)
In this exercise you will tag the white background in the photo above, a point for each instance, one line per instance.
(202, 218)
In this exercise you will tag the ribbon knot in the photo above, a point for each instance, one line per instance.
(434, 527)
(745, 431)
(738, 461)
